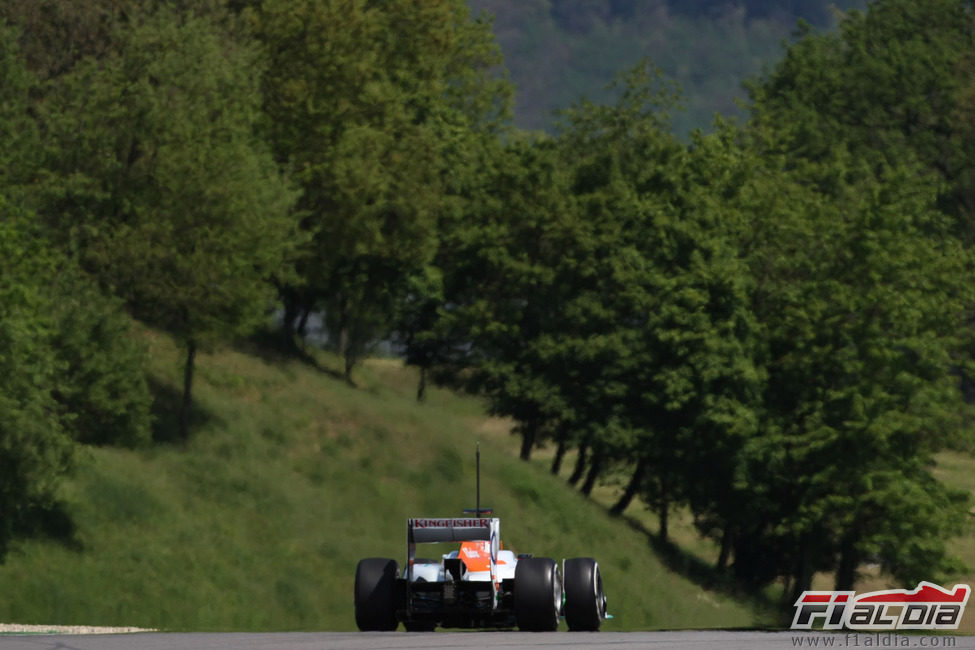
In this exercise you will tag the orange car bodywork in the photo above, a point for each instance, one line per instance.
(477, 555)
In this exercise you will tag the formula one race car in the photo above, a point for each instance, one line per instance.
(479, 585)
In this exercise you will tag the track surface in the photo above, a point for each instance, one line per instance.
(684, 640)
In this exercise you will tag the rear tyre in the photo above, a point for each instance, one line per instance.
(538, 594)
(585, 602)
(375, 599)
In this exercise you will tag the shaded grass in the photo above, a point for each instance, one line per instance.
(292, 476)
(695, 557)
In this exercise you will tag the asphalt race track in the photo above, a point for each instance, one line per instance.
(683, 640)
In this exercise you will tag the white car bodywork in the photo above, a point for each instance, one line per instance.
(435, 572)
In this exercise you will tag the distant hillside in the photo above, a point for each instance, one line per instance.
(559, 50)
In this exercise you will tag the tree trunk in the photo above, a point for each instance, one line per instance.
(187, 405)
(664, 514)
(595, 467)
(663, 509)
(631, 489)
(803, 575)
(346, 348)
(846, 572)
(302, 328)
(580, 466)
(725, 554)
(527, 441)
(559, 455)
(350, 359)
(421, 387)
(289, 318)
(787, 590)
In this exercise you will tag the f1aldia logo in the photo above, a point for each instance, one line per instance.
(929, 607)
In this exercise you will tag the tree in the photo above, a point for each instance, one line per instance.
(504, 297)
(160, 183)
(860, 295)
(68, 370)
(866, 336)
(54, 36)
(890, 80)
(672, 318)
(101, 385)
(364, 103)
(35, 450)
(20, 149)
(431, 322)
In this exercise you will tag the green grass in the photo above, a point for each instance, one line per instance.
(292, 476)
(695, 554)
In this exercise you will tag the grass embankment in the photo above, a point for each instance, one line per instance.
(695, 556)
(291, 476)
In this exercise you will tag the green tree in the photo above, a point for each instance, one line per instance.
(363, 103)
(678, 373)
(504, 294)
(431, 321)
(101, 385)
(20, 148)
(866, 336)
(892, 79)
(860, 295)
(54, 36)
(158, 180)
(35, 450)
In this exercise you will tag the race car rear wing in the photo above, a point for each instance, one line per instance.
(472, 529)
(467, 529)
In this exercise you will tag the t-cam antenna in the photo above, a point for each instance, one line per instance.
(478, 511)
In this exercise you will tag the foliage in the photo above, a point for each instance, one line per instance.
(672, 295)
(35, 450)
(860, 295)
(183, 214)
(510, 302)
(891, 84)
(18, 130)
(365, 104)
(54, 36)
(101, 385)
(69, 369)
(868, 333)
(158, 180)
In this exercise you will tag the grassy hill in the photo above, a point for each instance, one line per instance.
(290, 478)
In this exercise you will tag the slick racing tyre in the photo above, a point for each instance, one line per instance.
(538, 594)
(585, 602)
(375, 600)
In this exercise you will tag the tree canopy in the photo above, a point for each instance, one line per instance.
(370, 119)
(156, 177)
